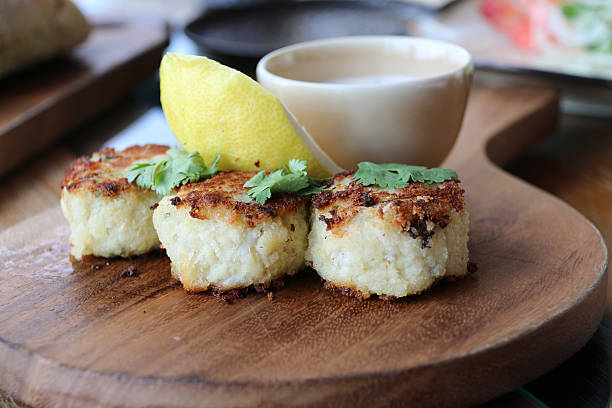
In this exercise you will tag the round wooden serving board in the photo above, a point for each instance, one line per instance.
(90, 334)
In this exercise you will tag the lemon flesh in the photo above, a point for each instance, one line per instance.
(214, 109)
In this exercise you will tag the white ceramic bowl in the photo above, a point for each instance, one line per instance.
(375, 98)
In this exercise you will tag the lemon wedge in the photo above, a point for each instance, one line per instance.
(212, 109)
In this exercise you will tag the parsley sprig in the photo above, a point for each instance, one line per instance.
(292, 178)
(393, 175)
(176, 168)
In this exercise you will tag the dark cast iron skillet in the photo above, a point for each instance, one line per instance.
(256, 29)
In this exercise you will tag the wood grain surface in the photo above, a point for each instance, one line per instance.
(574, 164)
(42, 103)
(89, 333)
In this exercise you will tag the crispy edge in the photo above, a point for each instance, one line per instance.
(416, 209)
(230, 295)
(87, 173)
(204, 199)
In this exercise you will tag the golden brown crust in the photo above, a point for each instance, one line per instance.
(417, 208)
(103, 171)
(226, 191)
(230, 295)
(346, 291)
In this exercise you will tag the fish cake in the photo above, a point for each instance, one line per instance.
(218, 238)
(368, 240)
(109, 216)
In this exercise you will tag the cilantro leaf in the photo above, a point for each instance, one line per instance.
(296, 167)
(292, 178)
(394, 175)
(316, 186)
(175, 168)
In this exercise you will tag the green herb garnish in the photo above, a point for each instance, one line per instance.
(393, 175)
(573, 10)
(176, 168)
(291, 178)
(593, 21)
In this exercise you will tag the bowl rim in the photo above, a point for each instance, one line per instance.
(262, 66)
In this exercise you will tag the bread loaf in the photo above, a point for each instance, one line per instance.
(35, 30)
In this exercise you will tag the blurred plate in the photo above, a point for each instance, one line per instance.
(584, 78)
(255, 30)
(464, 24)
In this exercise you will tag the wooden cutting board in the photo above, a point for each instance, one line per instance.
(91, 334)
(40, 104)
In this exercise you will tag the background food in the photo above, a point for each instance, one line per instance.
(538, 25)
(34, 30)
